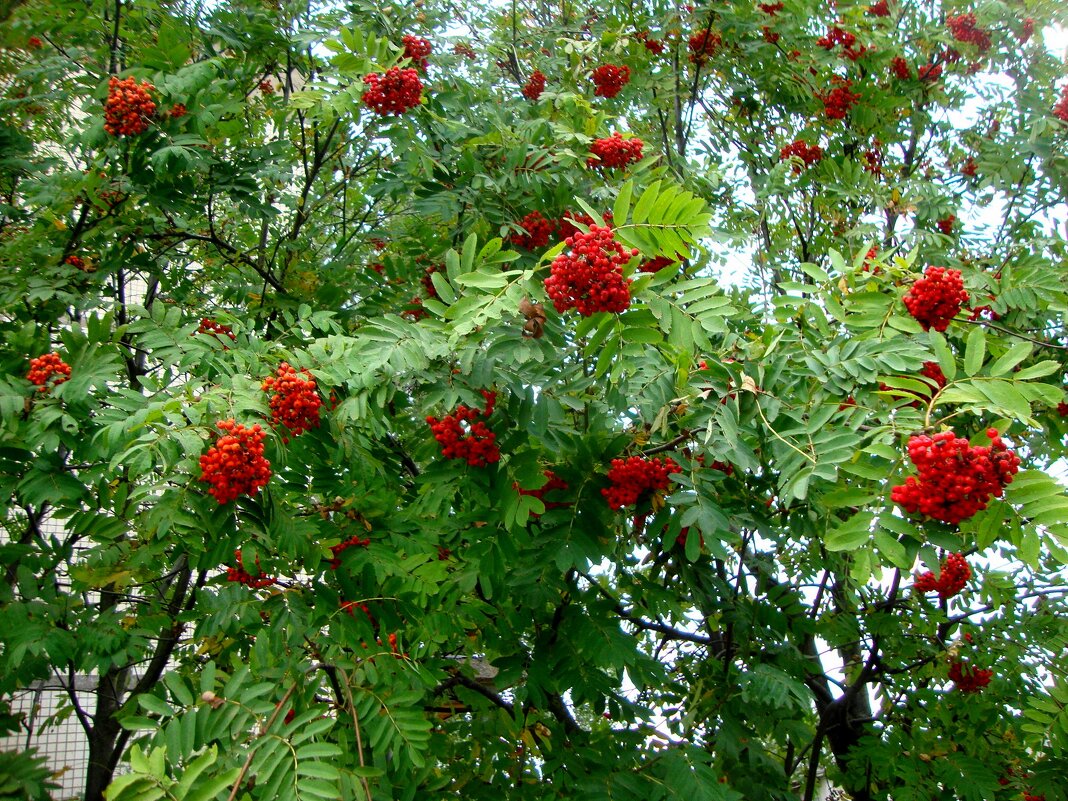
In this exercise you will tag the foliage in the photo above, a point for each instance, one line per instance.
(370, 619)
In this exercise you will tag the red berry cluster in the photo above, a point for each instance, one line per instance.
(48, 368)
(465, 50)
(394, 92)
(969, 168)
(636, 478)
(880, 9)
(537, 231)
(771, 9)
(932, 371)
(953, 576)
(463, 436)
(654, 46)
(235, 465)
(417, 49)
(937, 298)
(590, 277)
(838, 101)
(1060, 111)
(1062, 409)
(129, 108)
(295, 403)
(535, 85)
(1027, 31)
(770, 36)
(610, 79)
(945, 225)
(837, 36)
(34, 43)
(657, 264)
(967, 678)
(178, 110)
(873, 158)
(930, 72)
(554, 483)
(266, 87)
(809, 154)
(341, 547)
(209, 326)
(703, 45)
(963, 28)
(77, 262)
(900, 68)
(615, 151)
(869, 257)
(955, 480)
(241, 576)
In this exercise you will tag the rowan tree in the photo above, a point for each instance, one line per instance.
(423, 420)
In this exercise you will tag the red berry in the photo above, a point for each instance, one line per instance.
(969, 679)
(1060, 111)
(614, 152)
(955, 479)
(235, 465)
(336, 550)
(128, 108)
(800, 149)
(394, 92)
(34, 43)
(703, 45)
(535, 85)
(838, 101)
(554, 483)
(537, 231)
(241, 576)
(295, 402)
(937, 298)
(879, 9)
(178, 110)
(771, 9)
(589, 278)
(900, 68)
(77, 262)
(209, 326)
(963, 28)
(48, 370)
(417, 49)
(610, 79)
(951, 580)
(463, 436)
(635, 479)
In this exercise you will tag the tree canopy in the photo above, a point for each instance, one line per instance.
(604, 400)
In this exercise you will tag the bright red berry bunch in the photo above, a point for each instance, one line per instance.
(48, 370)
(1026, 31)
(963, 28)
(537, 231)
(955, 479)
(235, 465)
(945, 225)
(838, 101)
(209, 326)
(589, 278)
(614, 152)
(554, 483)
(1060, 111)
(930, 72)
(336, 550)
(394, 92)
(129, 108)
(77, 262)
(771, 9)
(465, 50)
(951, 580)
(932, 371)
(266, 87)
(969, 168)
(937, 298)
(809, 154)
(654, 46)
(900, 68)
(463, 436)
(178, 110)
(636, 478)
(836, 36)
(535, 85)
(295, 402)
(417, 49)
(610, 79)
(241, 576)
(657, 264)
(703, 45)
(34, 43)
(880, 9)
(967, 678)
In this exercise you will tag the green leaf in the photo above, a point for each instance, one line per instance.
(645, 203)
(850, 534)
(1016, 354)
(621, 208)
(943, 354)
(974, 350)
